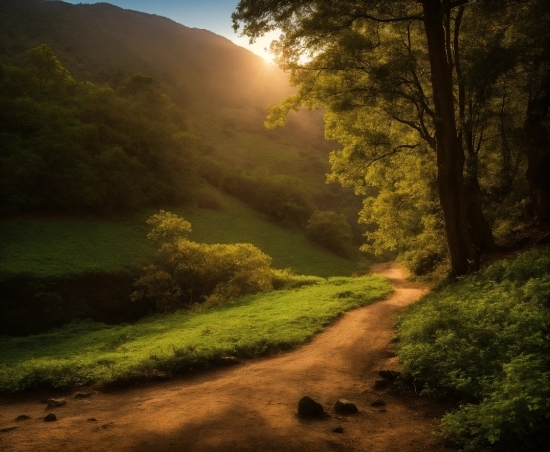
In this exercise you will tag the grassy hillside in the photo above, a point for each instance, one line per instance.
(57, 247)
(88, 352)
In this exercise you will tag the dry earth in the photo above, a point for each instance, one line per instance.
(250, 407)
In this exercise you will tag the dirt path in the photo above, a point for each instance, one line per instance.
(251, 407)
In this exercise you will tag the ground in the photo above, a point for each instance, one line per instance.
(252, 406)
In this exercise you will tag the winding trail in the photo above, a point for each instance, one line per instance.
(251, 407)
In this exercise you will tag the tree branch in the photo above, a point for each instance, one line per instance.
(392, 152)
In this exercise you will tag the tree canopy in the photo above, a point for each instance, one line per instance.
(408, 78)
(67, 145)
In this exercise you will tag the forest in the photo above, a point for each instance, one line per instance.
(170, 204)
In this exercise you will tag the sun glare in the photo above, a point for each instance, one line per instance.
(260, 47)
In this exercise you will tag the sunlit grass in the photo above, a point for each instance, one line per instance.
(60, 247)
(87, 352)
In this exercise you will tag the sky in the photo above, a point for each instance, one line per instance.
(213, 15)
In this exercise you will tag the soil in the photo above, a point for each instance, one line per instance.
(252, 406)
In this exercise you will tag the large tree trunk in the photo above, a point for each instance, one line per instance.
(538, 153)
(479, 229)
(450, 154)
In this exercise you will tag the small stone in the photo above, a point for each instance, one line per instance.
(227, 361)
(344, 406)
(92, 419)
(378, 402)
(83, 395)
(380, 384)
(54, 403)
(338, 430)
(7, 429)
(307, 407)
(158, 374)
(50, 417)
(22, 417)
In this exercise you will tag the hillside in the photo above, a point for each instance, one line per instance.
(82, 156)
(224, 89)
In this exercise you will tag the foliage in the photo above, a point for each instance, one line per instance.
(285, 199)
(404, 214)
(330, 230)
(188, 272)
(402, 77)
(85, 351)
(286, 279)
(486, 338)
(53, 269)
(73, 146)
(235, 222)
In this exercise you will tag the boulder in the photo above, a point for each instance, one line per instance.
(50, 417)
(307, 407)
(344, 406)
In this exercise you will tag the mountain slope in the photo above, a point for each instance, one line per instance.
(200, 70)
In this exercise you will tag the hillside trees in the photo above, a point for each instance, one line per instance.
(73, 146)
(395, 80)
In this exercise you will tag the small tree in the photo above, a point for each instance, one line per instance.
(46, 68)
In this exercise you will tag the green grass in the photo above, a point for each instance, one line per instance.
(288, 248)
(88, 352)
(64, 246)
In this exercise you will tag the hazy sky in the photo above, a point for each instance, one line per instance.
(213, 15)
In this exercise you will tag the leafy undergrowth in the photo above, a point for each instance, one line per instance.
(486, 338)
(86, 352)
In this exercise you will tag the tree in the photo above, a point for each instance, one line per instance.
(46, 68)
(400, 64)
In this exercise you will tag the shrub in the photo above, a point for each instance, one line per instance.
(485, 338)
(285, 279)
(189, 272)
(330, 230)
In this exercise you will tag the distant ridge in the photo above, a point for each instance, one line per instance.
(96, 40)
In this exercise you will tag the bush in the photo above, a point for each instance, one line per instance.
(189, 272)
(485, 338)
(285, 279)
(330, 230)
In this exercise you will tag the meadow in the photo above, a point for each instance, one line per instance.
(58, 247)
(86, 352)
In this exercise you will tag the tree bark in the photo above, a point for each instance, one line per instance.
(479, 229)
(538, 153)
(450, 154)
